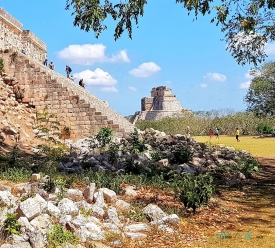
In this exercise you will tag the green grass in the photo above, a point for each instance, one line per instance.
(258, 147)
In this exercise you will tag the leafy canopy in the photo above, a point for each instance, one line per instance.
(261, 93)
(247, 24)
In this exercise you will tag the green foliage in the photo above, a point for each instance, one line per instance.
(104, 136)
(57, 236)
(201, 121)
(49, 128)
(137, 145)
(112, 153)
(261, 92)
(249, 166)
(1, 65)
(196, 190)
(264, 129)
(53, 153)
(86, 213)
(16, 174)
(246, 29)
(10, 226)
(180, 156)
(136, 214)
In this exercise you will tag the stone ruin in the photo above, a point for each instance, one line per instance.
(160, 104)
(75, 107)
(13, 35)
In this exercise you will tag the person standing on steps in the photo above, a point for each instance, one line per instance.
(68, 71)
(237, 134)
(51, 65)
(81, 83)
(45, 62)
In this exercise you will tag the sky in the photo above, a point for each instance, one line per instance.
(167, 49)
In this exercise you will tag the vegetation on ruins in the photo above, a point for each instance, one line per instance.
(57, 236)
(200, 122)
(1, 65)
(10, 226)
(247, 25)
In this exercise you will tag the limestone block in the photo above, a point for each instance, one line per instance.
(163, 162)
(154, 212)
(35, 177)
(32, 207)
(137, 227)
(89, 192)
(109, 195)
(66, 206)
(75, 194)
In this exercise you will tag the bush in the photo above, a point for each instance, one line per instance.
(58, 237)
(180, 156)
(104, 136)
(10, 226)
(264, 129)
(196, 191)
(137, 145)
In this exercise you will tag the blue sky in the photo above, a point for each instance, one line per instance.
(168, 49)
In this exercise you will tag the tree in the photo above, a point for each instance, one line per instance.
(261, 93)
(247, 24)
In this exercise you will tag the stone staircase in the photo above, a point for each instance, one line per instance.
(75, 106)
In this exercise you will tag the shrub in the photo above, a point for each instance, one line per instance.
(57, 236)
(137, 145)
(10, 226)
(249, 166)
(104, 136)
(196, 190)
(264, 129)
(1, 65)
(181, 156)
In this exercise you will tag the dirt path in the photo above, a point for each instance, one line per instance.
(267, 171)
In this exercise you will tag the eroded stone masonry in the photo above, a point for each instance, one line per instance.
(41, 87)
(160, 104)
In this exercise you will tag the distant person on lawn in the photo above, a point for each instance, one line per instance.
(211, 133)
(217, 133)
(237, 134)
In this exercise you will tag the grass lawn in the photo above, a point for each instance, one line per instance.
(258, 147)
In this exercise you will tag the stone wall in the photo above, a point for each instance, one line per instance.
(74, 106)
(13, 36)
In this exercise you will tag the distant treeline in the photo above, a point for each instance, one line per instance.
(201, 121)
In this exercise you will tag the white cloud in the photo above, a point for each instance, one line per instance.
(245, 85)
(270, 48)
(88, 54)
(215, 77)
(203, 85)
(145, 70)
(132, 88)
(168, 82)
(109, 89)
(97, 78)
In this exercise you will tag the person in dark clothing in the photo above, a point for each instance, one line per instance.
(45, 62)
(81, 83)
(51, 65)
(68, 71)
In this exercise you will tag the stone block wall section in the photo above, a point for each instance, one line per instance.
(74, 106)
